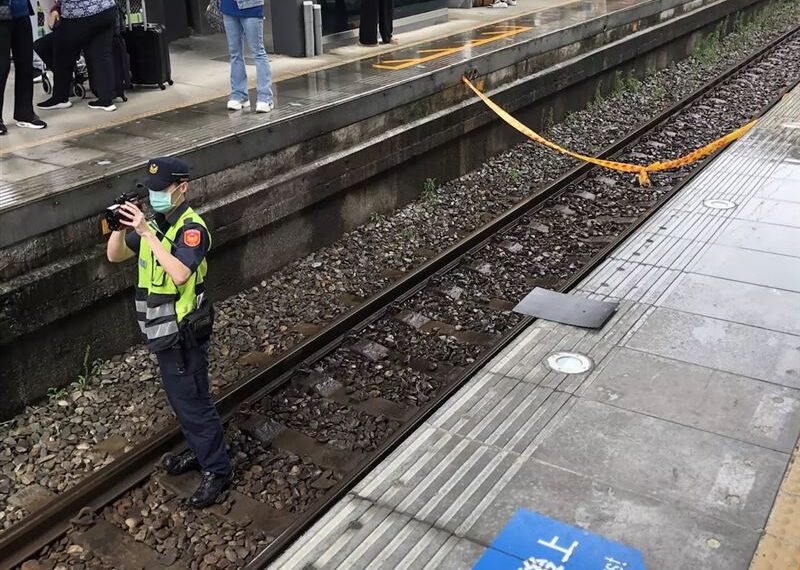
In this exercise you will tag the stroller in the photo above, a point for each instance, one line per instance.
(80, 75)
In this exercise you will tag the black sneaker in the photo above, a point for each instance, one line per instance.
(3, 129)
(181, 463)
(51, 103)
(37, 75)
(35, 123)
(211, 487)
(102, 105)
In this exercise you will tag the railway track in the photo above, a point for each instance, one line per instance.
(380, 369)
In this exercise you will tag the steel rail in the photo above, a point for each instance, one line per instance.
(47, 524)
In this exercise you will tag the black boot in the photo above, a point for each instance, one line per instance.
(210, 489)
(177, 464)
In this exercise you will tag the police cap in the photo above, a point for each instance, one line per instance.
(163, 171)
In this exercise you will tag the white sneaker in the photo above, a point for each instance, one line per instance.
(234, 105)
(499, 4)
(511, 2)
(264, 106)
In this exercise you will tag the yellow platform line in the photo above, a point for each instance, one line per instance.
(427, 55)
(779, 548)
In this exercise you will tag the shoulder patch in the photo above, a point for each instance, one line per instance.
(192, 237)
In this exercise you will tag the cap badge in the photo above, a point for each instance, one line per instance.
(153, 168)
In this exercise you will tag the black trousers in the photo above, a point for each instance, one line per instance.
(93, 35)
(45, 48)
(16, 37)
(375, 14)
(184, 375)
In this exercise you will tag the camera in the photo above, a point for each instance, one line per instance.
(112, 214)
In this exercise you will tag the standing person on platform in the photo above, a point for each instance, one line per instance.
(16, 39)
(83, 25)
(175, 317)
(244, 19)
(375, 14)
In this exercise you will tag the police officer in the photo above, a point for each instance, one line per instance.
(169, 297)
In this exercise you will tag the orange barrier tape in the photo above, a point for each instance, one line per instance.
(641, 171)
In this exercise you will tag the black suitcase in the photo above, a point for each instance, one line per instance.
(122, 67)
(149, 55)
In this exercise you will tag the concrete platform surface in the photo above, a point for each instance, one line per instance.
(676, 442)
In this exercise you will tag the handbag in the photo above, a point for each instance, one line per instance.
(214, 16)
(197, 326)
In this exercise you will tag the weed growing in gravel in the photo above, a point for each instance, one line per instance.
(618, 85)
(632, 84)
(90, 370)
(515, 175)
(658, 91)
(56, 393)
(408, 233)
(707, 51)
(597, 102)
(549, 120)
(429, 195)
(377, 218)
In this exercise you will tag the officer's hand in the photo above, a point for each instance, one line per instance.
(136, 219)
(51, 21)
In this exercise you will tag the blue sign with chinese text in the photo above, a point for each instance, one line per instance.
(531, 541)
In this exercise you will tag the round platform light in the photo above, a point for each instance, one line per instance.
(719, 204)
(570, 362)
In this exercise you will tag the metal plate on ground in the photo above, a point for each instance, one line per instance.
(566, 309)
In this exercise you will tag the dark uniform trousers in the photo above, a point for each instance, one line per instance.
(184, 375)
(375, 14)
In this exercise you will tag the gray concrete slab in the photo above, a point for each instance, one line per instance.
(779, 189)
(743, 303)
(61, 154)
(789, 169)
(725, 404)
(770, 211)
(669, 536)
(771, 238)
(749, 266)
(726, 346)
(14, 169)
(701, 471)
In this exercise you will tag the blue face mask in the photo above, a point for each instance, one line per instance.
(161, 202)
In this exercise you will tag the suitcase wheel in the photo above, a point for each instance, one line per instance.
(46, 85)
(124, 98)
(162, 86)
(80, 90)
(171, 82)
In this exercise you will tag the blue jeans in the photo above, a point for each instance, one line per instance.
(236, 30)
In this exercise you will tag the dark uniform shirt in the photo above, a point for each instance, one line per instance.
(188, 253)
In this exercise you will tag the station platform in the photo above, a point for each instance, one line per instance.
(675, 443)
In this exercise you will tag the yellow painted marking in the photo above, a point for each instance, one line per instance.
(779, 548)
(426, 55)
